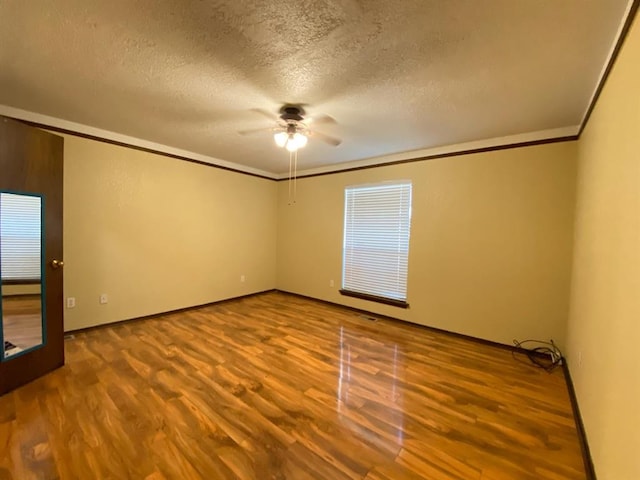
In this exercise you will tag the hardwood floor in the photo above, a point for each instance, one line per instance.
(22, 320)
(279, 387)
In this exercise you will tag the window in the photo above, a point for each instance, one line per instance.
(20, 243)
(377, 222)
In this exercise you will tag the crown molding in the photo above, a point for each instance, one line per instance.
(80, 130)
(616, 46)
(498, 143)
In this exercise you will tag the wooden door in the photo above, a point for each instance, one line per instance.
(31, 167)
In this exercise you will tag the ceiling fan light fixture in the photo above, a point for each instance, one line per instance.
(292, 132)
(292, 145)
(291, 141)
(300, 139)
(281, 138)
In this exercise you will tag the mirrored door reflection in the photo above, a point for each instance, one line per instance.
(22, 327)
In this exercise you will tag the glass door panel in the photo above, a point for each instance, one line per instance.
(21, 268)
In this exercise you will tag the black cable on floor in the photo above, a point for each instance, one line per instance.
(545, 355)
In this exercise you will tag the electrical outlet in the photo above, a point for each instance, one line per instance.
(104, 298)
(242, 278)
(331, 283)
(71, 302)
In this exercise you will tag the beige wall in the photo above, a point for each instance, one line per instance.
(491, 239)
(490, 256)
(604, 324)
(157, 234)
(491, 247)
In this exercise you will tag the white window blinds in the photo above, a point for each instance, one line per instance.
(377, 224)
(20, 243)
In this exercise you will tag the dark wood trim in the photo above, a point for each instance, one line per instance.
(168, 312)
(582, 434)
(619, 44)
(569, 138)
(491, 343)
(374, 298)
(200, 162)
(22, 282)
(360, 311)
(274, 367)
(23, 296)
(582, 437)
(588, 463)
(623, 35)
(614, 56)
(134, 147)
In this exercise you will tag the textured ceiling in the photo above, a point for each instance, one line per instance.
(396, 76)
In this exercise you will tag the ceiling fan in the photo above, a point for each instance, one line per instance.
(292, 129)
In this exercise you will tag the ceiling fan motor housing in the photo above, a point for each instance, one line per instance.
(290, 113)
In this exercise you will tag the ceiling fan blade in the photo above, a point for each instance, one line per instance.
(255, 130)
(326, 119)
(326, 138)
(266, 113)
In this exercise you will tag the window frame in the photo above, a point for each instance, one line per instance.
(402, 303)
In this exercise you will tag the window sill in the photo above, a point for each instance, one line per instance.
(375, 298)
(25, 281)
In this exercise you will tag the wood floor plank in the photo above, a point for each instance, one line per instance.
(22, 320)
(279, 387)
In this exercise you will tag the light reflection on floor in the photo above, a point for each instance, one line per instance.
(348, 379)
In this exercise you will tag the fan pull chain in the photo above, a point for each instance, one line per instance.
(295, 176)
(290, 161)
